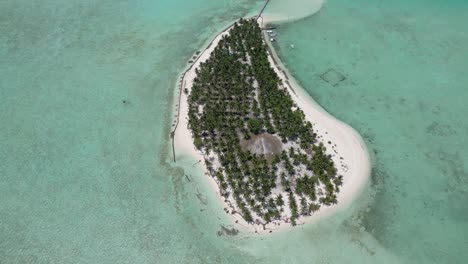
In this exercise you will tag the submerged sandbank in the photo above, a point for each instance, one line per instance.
(286, 11)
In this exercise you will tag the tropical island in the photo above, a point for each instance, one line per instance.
(269, 162)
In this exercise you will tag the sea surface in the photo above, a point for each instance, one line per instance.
(405, 92)
(87, 90)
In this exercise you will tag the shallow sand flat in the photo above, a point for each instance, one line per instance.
(291, 10)
(349, 152)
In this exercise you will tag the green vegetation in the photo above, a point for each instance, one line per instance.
(255, 125)
(237, 95)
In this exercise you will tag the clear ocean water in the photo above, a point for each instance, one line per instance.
(86, 108)
(406, 65)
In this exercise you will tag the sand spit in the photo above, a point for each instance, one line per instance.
(291, 10)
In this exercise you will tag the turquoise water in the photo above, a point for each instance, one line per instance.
(84, 177)
(405, 91)
(87, 89)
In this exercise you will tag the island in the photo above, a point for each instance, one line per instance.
(269, 162)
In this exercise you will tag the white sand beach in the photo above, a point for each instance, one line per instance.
(347, 148)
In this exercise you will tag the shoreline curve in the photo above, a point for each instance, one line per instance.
(349, 151)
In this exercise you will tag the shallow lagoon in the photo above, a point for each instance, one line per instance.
(86, 109)
(86, 102)
(405, 92)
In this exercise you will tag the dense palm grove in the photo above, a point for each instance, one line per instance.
(238, 96)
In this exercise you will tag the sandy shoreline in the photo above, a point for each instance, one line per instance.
(354, 163)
